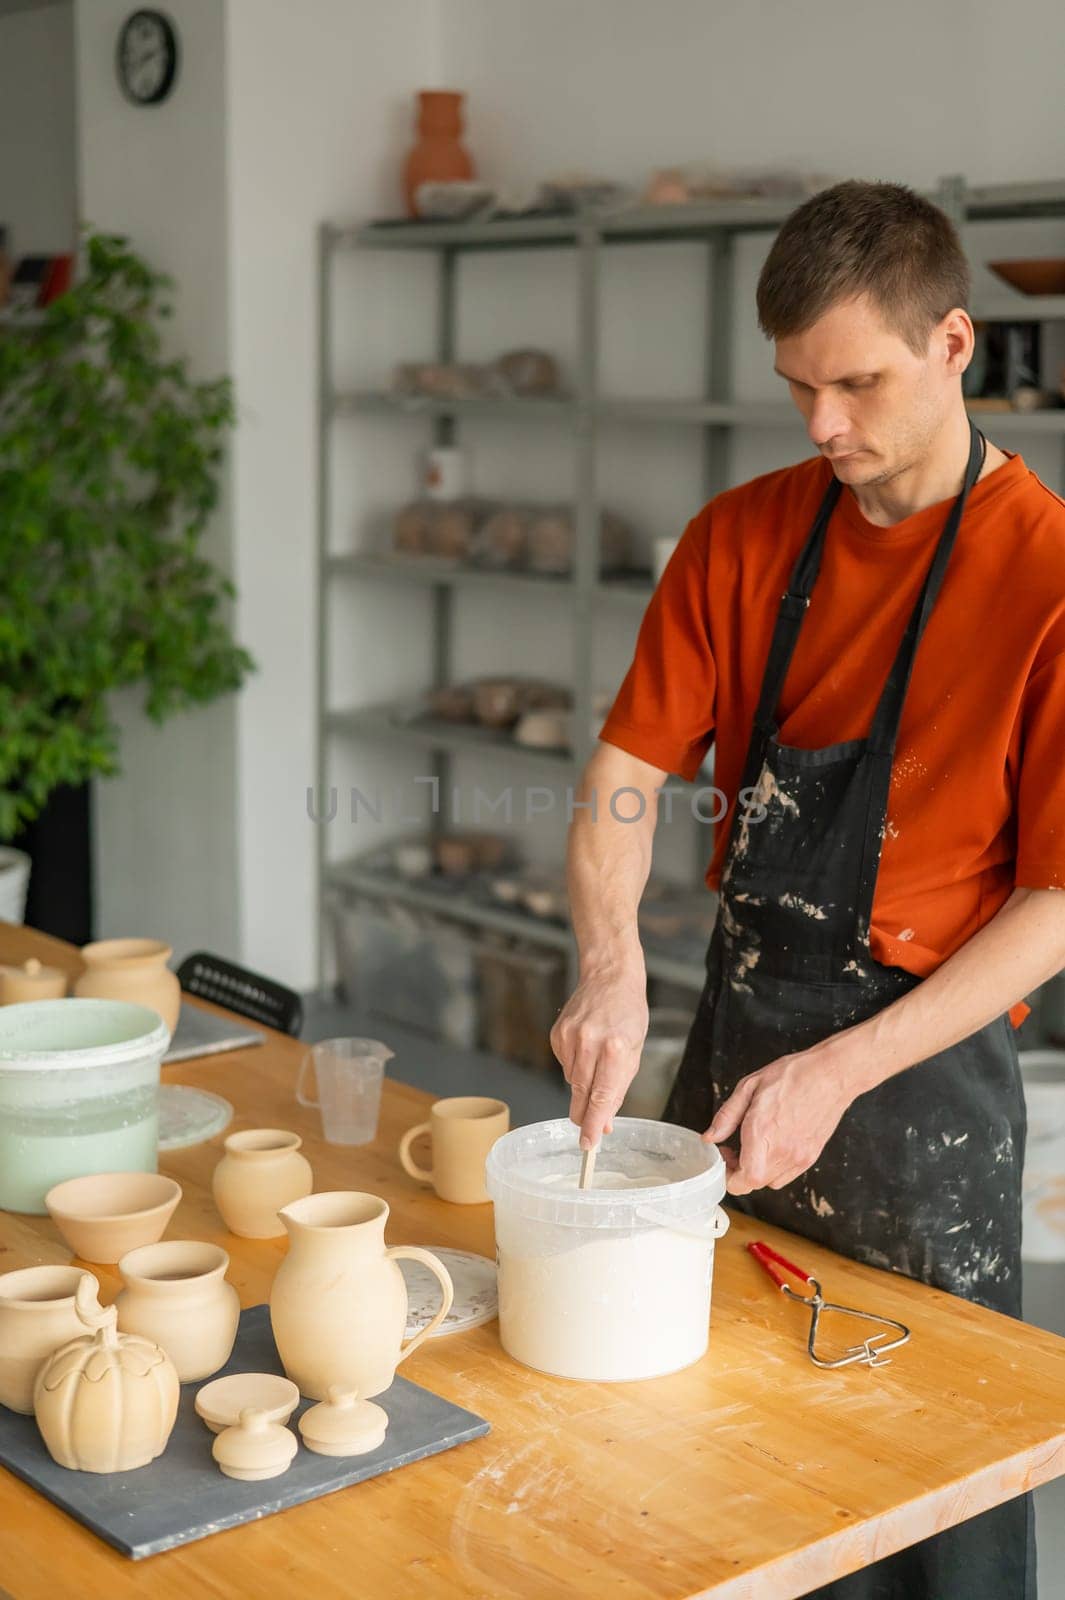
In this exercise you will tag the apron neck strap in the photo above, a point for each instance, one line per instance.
(888, 714)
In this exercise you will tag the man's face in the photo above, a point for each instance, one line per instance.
(871, 406)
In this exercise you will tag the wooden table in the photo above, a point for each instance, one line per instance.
(752, 1474)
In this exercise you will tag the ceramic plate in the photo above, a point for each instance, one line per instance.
(476, 1300)
(189, 1116)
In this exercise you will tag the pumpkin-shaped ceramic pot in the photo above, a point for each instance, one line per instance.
(105, 1402)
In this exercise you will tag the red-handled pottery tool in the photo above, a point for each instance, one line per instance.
(871, 1352)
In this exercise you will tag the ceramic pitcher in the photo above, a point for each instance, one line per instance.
(338, 1306)
(134, 970)
(37, 1315)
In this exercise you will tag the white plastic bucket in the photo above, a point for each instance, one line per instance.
(14, 881)
(79, 1089)
(611, 1283)
(1043, 1236)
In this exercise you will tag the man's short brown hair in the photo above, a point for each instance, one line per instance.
(879, 239)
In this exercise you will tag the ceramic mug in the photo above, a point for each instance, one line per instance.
(463, 1130)
(176, 1294)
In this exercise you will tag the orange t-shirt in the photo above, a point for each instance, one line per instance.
(977, 799)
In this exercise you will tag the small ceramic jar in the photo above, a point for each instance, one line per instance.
(31, 981)
(176, 1294)
(131, 969)
(261, 1171)
(37, 1315)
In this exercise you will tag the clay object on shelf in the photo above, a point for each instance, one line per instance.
(338, 1305)
(261, 1171)
(543, 730)
(440, 380)
(1035, 277)
(529, 372)
(449, 533)
(37, 1315)
(453, 200)
(452, 701)
(106, 1214)
(551, 541)
(255, 1448)
(410, 528)
(32, 981)
(343, 1425)
(176, 1294)
(438, 154)
(131, 969)
(460, 853)
(497, 702)
(105, 1402)
(501, 538)
(220, 1402)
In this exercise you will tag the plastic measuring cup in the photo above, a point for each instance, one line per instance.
(349, 1074)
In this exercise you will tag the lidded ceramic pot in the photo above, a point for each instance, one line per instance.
(131, 969)
(37, 1315)
(261, 1171)
(338, 1305)
(255, 1448)
(105, 1402)
(177, 1295)
(31, 981)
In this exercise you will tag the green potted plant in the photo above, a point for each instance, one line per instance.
(110, 457)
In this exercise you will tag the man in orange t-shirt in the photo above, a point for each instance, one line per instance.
(874, 640)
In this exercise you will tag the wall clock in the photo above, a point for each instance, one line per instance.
(147, 58)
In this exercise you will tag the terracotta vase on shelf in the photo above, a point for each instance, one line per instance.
(438, 154)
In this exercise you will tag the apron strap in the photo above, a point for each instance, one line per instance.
(888, 715)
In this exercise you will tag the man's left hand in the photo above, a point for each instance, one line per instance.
(786, 1113)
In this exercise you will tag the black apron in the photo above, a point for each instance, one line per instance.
(923, 1173)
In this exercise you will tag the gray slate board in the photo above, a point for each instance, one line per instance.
(182, 1496)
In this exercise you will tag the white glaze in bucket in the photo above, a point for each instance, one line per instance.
(599, 1284)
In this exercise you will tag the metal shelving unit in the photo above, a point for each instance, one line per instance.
(585, 413)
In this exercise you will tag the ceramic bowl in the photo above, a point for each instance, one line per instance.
(104, 1216)
(220, 1402)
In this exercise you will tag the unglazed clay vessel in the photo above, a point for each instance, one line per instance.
(105, 1402)
(463, 1130)
(176, 1294)
(343, 1425)
(31, 981)
(255, 1448)
(338, 1305)
(104, 1216)
(134, 970)
(221, 1402)
(261, 1171)
(37, 1315)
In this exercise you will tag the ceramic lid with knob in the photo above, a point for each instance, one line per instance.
(32, 981)
(255, 1448)
(343, 1425)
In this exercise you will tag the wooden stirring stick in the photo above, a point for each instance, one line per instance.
(588, 1167)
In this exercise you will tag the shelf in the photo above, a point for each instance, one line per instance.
(400, 722)
(679, 961)
(429, 571)
(1007, 202)
(361, 401)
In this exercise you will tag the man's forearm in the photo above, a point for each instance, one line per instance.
(607, 864)
(1020, 948)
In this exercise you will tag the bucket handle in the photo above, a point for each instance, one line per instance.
(719, 1223)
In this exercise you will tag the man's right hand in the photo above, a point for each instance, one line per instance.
(597, 1038)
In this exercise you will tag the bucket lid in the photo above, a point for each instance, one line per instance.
(532, 1168)
(44, 1035)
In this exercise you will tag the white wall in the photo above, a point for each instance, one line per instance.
(166, 829)
(319, 115)
(37, 138)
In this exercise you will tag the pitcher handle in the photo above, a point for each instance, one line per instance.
(718, 1227)
(443, 1277)
(407, 1161)
(301, 1098)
